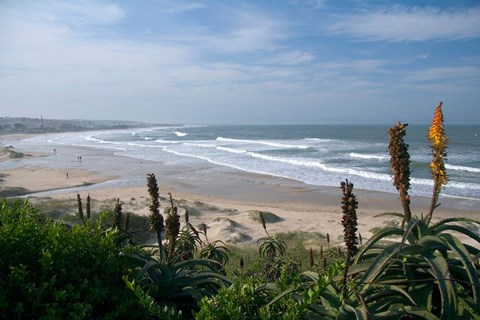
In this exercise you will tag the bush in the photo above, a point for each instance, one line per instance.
(255, 300)
(49, 270)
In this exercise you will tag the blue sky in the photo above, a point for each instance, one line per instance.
(274, 61)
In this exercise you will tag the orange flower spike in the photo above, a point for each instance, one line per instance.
(439, 142)
(436, 134)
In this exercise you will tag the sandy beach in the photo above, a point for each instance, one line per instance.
(224, 200)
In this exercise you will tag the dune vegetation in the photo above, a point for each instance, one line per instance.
(104, 265)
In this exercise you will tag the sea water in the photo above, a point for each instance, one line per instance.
(315, 154)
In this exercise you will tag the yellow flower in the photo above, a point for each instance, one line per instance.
(436, 135)
(439, 141)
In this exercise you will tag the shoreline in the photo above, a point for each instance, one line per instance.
(233, 194)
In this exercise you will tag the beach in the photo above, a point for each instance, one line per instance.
(225, 200)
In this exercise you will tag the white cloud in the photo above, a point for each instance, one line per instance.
(75, 13)
(462, 73)
(84, 12)
(294, 57)
(411, 24)
(249, 31)
(186, 7)
(317, 4)
(172, 6)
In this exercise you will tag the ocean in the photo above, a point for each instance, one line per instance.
(314, 154)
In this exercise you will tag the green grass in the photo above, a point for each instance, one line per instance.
(55, 208)
(250, 257)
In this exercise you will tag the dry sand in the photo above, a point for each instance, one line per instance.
(36, 179)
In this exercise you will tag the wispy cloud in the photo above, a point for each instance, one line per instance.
(249, 30)
(294, 57)
(172, 6)
(311, 3)
(449, 74)
(411, 24)
(75, 13)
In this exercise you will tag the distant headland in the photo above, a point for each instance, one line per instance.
(13, 125)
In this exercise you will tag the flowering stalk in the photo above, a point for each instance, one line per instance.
(80, 209)
(172, 224)
(88, 207)
(310, 258)
(126, 224)
(400, 165)
(117, 215)
(438, 140)
(349, 220)
(156, 219)
(262, 220)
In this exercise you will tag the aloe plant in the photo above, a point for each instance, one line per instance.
(431, 265)
(272, 247)
(180, 283)
(217, 251)
(187, 243)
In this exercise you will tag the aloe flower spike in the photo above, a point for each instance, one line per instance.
(439, 142)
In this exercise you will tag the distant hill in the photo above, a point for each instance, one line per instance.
(10, 125)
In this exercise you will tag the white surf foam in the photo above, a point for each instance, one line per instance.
(322, 166)
(263, 142)
(368, 156)
(462, 168)
(180, 133)
(231, 150)
(317, 140)
(201, 145)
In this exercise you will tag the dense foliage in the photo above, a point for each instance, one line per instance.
(49, 270)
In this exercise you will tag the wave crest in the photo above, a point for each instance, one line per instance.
(462, 168)
(266, 143)
(180, 133)
(368, 156)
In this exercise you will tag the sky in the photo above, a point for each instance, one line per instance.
(241, 62)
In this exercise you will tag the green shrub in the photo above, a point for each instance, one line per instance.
(254, 300)
(49, 270)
